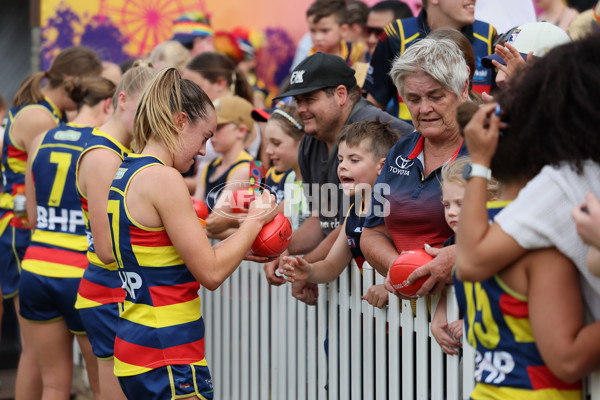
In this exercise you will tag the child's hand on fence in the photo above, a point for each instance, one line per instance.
(456, 329)
(377, 296)
(441, 335)
(295, 268)
(306, 292)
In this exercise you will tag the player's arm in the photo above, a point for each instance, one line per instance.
(30, 193)
(570, 349)
(210, 266)
(29, 124)
(97, 182)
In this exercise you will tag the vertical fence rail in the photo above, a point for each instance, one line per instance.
(261, 343)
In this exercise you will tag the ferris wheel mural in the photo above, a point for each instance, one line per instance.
(145, 23)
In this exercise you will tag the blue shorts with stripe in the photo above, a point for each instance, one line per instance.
(44, 299)
(100, 323)
(13, 243)
(169, 382)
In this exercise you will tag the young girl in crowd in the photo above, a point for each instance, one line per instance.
(283, 133)
(453, 192)
(231, 170)
(161, 248)
(363, 147)
(100, 291)
(40, 104)
(56, 258)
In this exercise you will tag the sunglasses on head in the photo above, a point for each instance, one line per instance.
(369, 30)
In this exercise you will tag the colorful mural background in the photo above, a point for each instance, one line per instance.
(122, 29)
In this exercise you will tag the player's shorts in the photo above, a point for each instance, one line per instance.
(45, 299)
(100, 323)
(170, 382)
(13, 243)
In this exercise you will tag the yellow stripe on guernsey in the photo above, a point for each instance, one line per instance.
(53, 270)
(83, 302)
(520, 327)
(484, 392)
(94, 259)
(126, 369)
(59, 239)
(163, 316)
(156, 256)
(487, 40)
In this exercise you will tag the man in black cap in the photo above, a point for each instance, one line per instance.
(328, 98)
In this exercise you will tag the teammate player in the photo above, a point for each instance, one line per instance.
(100, 290)
(56, 258)
(39, 105)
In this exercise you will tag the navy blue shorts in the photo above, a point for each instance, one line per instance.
(100, 323)
(13, 243)
(44, 299)
(170, 382)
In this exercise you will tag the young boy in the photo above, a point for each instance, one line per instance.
(363, 147)
(328, 26)
(231, 170)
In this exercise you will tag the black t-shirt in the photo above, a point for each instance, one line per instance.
(319, 174)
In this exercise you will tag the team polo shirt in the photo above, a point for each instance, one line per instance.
(275, 182)
(14, 159)
(416, 214)
(161, 323)
(401, 34)
(58, 244)
(354, 228)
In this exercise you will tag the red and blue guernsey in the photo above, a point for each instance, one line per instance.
(58, 244)
(100, 283)
(14, 161)
(275, 182)
(416, 214)
(161, 323)
(508, 362)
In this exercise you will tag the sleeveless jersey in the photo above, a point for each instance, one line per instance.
(58, 244)
(14, 160)
(100, 283)
(508, 364)
(161, 323)
(401, 34)
(275, 182)
(353, 231)
(212, 189)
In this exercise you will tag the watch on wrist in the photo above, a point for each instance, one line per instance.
(472, 170)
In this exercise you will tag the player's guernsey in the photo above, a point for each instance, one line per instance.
(416, 214)
(58, 244)
(100, 283)
(161, 323)
(508, 364)
(14, 161)
(354, 221)
(275, 182)
(213, 187)
(401, 34)
(349, 52)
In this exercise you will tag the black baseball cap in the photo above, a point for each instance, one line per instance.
(319, 71)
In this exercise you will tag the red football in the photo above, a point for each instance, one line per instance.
(241, 200)
(403, 266)
(273, 238)
(200, 207)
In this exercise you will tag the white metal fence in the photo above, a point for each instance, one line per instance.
(261, 343)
